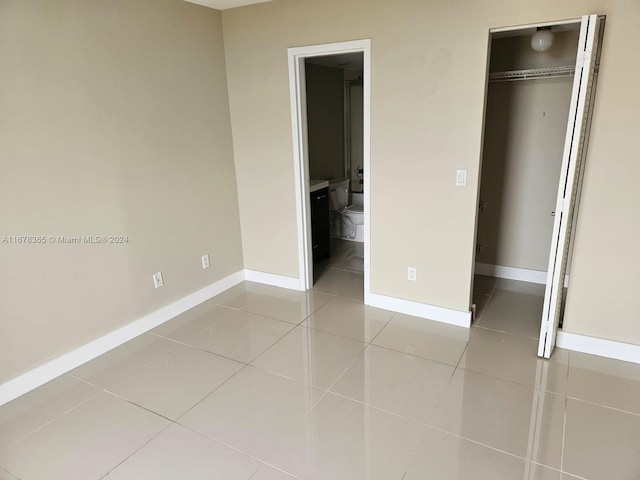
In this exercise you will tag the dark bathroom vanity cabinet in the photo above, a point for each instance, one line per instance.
(320, 242)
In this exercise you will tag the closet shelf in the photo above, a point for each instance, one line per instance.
(532, 73)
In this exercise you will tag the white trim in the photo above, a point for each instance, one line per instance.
(514, 273)
(298, 122)
(534, 25)
(423, 310)
(627, 352)
(282, 281)
(40, 375)
(511, 273)
(297, 96)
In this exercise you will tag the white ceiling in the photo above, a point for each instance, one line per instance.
(224, 4)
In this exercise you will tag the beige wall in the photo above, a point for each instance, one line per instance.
(325, 121)
(524, 136)
(114, 119)
(428, 70)
(356, 141)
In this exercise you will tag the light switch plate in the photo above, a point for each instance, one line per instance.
(412, 273)
(461, 178)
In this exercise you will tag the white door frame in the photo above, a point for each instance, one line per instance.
(297, 92)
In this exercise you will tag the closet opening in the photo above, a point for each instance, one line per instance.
(539, 95)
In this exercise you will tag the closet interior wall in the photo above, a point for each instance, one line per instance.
(525, 128)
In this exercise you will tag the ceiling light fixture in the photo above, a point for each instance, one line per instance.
(542, 40)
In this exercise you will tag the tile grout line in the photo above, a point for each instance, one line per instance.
(210, 393)
(413, 355)
(415, 452)
(8, 473)
(245, 365)
(231, 447)
(95, 394)
(194, 347)
(566, 407)
(324, 394)
(381, 409)
(495, 449)
(512, 382)
(505, 332)
(564, 432)
(433, 413)
(328, 390)
(137, 449)
(602, 405)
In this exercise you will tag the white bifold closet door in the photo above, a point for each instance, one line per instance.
(572, 157)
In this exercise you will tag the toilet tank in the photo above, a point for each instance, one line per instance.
(338, 193)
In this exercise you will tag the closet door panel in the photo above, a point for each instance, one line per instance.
(575, 143)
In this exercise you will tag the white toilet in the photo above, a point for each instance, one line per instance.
(347, 222)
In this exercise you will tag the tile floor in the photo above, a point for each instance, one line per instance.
(267, 384)
(345, 255)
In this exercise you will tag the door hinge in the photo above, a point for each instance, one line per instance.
(583, 59)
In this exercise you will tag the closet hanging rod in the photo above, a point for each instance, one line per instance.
(532, 73)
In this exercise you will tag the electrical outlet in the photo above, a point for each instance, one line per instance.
(412, 273)
(205, 261)
(157, 280)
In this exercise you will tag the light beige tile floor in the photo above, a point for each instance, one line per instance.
(340, 282)
(349, 318)
(403, 384)
(431, 340)
(267, 384)
(163, 376)
(310, 356)
(444, 456)
(37, 408)
(190, 454)
(345, 255)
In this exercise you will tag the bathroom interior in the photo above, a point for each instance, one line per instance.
(528, 101)
(334, 93)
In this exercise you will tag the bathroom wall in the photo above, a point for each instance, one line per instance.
(356, 145)
(525, 130)
(325, 121)
(114, 120)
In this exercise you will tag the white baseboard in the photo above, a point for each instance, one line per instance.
(50, 370)
(598, 346)
(514, 273)
(423, 310)
(282, 281)
(511, 273)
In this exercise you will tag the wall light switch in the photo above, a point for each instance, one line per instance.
(461, 178)
(412, 273)
(205, 261)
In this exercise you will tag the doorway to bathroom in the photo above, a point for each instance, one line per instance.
(330, 109)
(539, 99)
